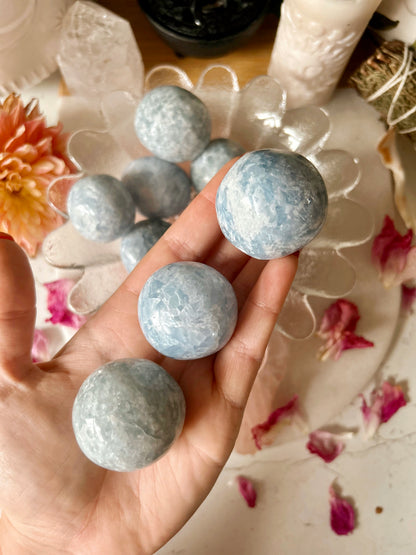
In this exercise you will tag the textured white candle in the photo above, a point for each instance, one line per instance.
(314, 41)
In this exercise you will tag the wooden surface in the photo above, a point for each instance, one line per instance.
(248, 60)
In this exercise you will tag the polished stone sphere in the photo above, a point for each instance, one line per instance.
(271, 203)
(187, 310)
(159, 188)
(212, 159)
(173, 123)
(100, 208)
(127, 414)
(139, 240)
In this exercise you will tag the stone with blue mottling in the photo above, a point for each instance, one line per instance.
(127, 414)
(100, 208)
(271, 203)
(173, 123)
(187, 310)
(139, 240)
(160, 189)
(212, 159)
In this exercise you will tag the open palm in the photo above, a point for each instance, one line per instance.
(54, 500)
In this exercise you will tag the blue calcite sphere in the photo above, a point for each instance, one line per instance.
(139, 240)
(127, 414)
(100, 208)
(212, 159)
(159, 188)
(187, 310)
(173, 123)
(271, 203)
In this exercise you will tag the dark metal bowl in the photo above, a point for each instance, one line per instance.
(205, 29)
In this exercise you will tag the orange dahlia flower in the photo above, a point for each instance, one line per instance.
(31, 156)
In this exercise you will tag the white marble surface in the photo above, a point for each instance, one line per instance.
(292, 514)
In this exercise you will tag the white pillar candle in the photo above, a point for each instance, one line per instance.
(314, 41)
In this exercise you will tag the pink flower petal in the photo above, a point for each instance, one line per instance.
(247, 490)
(384, 403)
(260, 431)
(324, 444)
(338, 330)
(390, 252)
(342, 514)
(40, 351)
(57, 304)
(408, 297)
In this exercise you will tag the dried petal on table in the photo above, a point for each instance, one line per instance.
(393, 255)
(40, 350)
(337, 329)
(32, 155)
(408, 297)
(264, 434)
(247, 490)
(342, 516)
(325, 444)
(384, 402)
(57, 304)
(263, 396)
(398, 155)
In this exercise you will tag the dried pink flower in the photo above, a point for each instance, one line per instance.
(384, 403)
(247, 490)
(40, 351)
(408, 296)
(338, 330)
(31, 156)
(57, 304)
(261, 433)
(324, 444)
(342, 514)
(393, 254)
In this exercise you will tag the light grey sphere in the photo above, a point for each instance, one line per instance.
(212, 159)
(100, 208)
(271, 203)
(159, 188)
(187, 310)
(139, 240)
(173, 123)
(127, 414)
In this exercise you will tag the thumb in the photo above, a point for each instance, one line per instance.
(17, 310)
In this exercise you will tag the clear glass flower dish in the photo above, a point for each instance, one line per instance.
(254, 116)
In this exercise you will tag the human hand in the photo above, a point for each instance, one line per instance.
(54, 500)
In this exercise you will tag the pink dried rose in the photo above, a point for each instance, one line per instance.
(40, 350)
(393, 254)
(264, 433)
(31, 156)
(338, 330)
(384, 402)
(247, 490)
(342, 515)
(57, 304)
(324, 444)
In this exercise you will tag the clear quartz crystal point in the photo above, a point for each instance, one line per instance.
(98, 52)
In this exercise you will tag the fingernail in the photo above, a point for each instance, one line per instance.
(6, 236)
(297, 253)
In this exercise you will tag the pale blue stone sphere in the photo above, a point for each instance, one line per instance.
(187, 310)
(139, 240)
(100, 208)
(271, 203)
(173, 123)
(159, 188)
(127, 414)
(212, 159)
